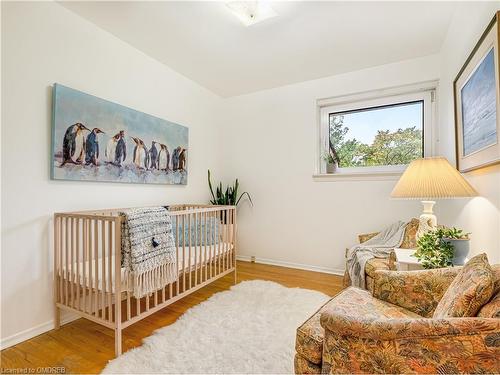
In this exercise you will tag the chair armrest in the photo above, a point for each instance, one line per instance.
(404, 328)
(366, 236)
(417, 291)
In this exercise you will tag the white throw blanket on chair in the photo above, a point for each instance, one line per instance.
(378, 246)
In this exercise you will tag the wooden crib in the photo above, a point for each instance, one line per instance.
(89, 279)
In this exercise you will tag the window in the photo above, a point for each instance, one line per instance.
(370, 134)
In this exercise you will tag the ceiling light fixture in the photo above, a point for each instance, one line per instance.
(251, 12)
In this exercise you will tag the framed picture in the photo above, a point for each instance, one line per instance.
(97, 140)
(477, 104)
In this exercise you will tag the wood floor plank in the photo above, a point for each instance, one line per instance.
(85, 347)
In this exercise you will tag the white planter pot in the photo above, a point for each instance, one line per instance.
(331, 168)
(460, 250)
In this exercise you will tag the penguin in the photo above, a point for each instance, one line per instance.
(74, 144)
(175, 158)
(92, 147)
(110, 151)
(163, 158)
(153, 153)
(141, 154)
(182, 160)
(121, 149)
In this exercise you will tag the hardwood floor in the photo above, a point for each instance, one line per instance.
(85, 347)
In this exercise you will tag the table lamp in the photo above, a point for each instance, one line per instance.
(428, 179)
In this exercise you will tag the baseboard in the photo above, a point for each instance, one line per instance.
(307, 267)
(34, 331)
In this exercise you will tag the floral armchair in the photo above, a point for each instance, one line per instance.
(392, 331)
(375, 264)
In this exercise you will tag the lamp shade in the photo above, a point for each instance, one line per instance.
(432, 178)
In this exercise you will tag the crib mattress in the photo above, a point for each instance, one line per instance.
(200, 253)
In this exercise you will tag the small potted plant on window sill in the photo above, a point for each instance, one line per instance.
(443, 247)
(331, 163)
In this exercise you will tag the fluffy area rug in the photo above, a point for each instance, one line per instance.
(249, 329)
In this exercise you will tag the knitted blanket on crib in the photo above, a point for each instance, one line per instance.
(148, 249)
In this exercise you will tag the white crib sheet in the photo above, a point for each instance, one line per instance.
(193, 253)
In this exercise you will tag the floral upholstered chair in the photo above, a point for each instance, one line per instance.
(375, 264)
(430, 321)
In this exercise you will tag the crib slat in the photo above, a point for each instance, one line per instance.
(65, 255)
(184, 251)
(77, 260)
(118, 285)
(196, 246)
(110, 272)
(189, 255)
(229, 263)
(205, 263)
(233, 242)
(233, 247)
(103, 269)
(91, 263)
(85, 261)
(96, 267)
(228, 248)
(217, 249)
(57, 262)
(71, 263)
(189, 250)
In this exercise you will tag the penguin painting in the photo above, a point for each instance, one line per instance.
(153, 155)
(163, 158)
(121, 149)
(92, 147)
(175, 158)
(182, 160)
(74, 144)
(141, 154)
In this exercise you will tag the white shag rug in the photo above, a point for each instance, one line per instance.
(249, 329)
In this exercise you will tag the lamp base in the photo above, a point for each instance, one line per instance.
(428, 221)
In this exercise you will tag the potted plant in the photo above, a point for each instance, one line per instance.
(442, 247)
(331, 163)
(228, 196)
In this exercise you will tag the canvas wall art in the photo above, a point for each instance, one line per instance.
(97, 140)
(477, 104)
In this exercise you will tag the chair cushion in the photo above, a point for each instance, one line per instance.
(469, 291)
(492, 308)
(355, 301)
(358, 302)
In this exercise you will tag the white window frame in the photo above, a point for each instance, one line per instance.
(425, 92)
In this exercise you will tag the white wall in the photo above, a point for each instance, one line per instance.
(272, 138)
(481, 215)
(43, 43)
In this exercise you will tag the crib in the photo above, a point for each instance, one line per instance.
(89, 279)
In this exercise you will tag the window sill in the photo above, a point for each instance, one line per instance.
(358, 176)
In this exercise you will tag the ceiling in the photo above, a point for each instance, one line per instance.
(308, 40)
